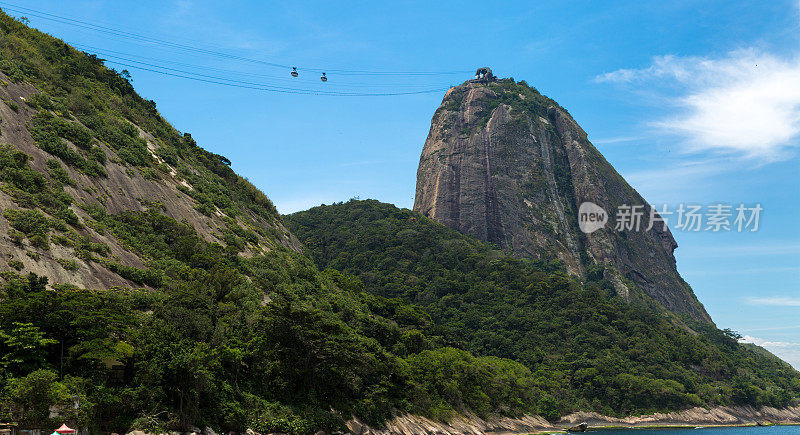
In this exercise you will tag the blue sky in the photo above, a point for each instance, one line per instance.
(692, 101)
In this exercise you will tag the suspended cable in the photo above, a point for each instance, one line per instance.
(105, 53)
(144, 38)
(260, 87)
(251, 85)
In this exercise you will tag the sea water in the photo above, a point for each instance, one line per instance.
(755, 430)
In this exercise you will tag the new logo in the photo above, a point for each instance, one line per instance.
(591, 217)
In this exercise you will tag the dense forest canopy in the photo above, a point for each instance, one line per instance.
(585, 347)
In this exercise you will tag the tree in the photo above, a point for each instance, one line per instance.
(24, 348)
(35, 394)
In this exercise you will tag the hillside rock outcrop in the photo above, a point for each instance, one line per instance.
(122, 188)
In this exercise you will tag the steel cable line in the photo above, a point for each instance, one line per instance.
(205, 75)
(128, 57)
(270, 88)
(144, 38)
(106, 30)
(252, 85)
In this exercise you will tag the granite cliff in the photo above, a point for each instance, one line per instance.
(509, 166)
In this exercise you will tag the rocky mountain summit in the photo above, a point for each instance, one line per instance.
(509, 166)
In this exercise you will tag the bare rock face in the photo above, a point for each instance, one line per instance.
(509, 166)
(123, 189)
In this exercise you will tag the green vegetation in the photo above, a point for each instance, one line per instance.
(12, 105)
(583, 346)
(84, 107)
(48, 131)
(70, 265)
(58, 173)
(32, 223)
(27, 187)
(268, 342)
(401, 313)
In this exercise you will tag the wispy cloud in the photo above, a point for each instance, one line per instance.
(746, 103)
(727, 271)
(768, 343)
(671, 182)
(188, 16)
(785, 350)
(775, 301)
(614, 140)
(749, 250)
(774, 328)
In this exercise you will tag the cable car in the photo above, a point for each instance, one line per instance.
(294, 71)
(324, 78)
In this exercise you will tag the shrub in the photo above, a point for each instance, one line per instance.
(151, 277)
(16, 236)
(40, 101)
(68, 216)
(32, 223)
(49, 131)
(70, 265)
(58, 173)
(12, 105)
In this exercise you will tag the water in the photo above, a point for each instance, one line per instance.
(757, 430)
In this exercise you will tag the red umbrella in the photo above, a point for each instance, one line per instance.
(65, 429)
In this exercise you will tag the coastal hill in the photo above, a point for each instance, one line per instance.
(585, 346)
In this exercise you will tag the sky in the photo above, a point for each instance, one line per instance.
(693, 102)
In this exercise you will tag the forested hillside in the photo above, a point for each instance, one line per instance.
(585, 347)
(147, 286)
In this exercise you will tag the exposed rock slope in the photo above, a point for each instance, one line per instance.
(509, 166)
(183, 189)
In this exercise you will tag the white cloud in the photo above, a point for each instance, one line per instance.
(775, 328)
(766, 343)
(778, 249)
(787, 351)
(776, 301)
(677, 180)
(727, 271)
(747, 102)
(615, 140)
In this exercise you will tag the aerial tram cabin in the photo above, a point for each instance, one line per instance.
(484, 75)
